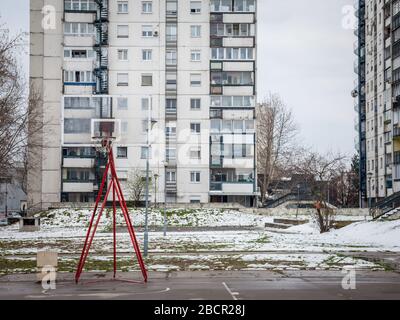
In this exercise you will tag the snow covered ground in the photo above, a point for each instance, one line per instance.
(243, 243)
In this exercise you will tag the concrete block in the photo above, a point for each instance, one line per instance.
(29, 224)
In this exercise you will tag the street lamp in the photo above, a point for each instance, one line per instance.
(165, 198)
(369, 189)
(150, 124)
(155, 189)
(298, 200)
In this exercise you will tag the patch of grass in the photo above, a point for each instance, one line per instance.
(262, 239)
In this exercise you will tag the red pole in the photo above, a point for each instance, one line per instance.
(117, 190)
(114, 231)
(98, 198)
(127, 219)
(133, 236)
(87, 247)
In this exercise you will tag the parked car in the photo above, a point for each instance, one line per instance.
(3, 222)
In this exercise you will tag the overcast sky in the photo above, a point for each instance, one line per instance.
(304, 54)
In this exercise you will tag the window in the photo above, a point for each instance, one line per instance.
(232, 78)
(147, 80)
(78, 54)
(172, 8)
(170, 105)
(80, 5)
(221, 5)
(195, 55)
(232, 53)
(195, 153)
(122, 6)
(195, 103)
(78, 29)
(195, 7)
(170, 154)
(122, 31)
(122, 152)
(144, 152)
(77, 175)
(122, 103)
(170, 57)
(195, 128)
(147, 31)
(145, 104)
(171, 31)
(77, 126)
(77, 103)
(122, 79)
(195, 31)
(123, 54)
(170, 176)
(244, 6)
(147, 54)
(78, 77)
(195, 80)
(195, 177)
(231, 29)
(147, 7)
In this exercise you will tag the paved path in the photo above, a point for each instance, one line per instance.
(223, 285)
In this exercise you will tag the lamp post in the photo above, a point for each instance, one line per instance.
(165, 198)
(369, 190)
(150, 124)
(155, 189)
(369, 193)
(298, 200)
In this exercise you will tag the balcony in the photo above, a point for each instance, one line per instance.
(232, 188)
(76, 6)
(396, 133)
(78, 162)
(171, 187)
(77, 186)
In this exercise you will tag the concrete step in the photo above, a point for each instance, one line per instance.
(391, 217)
(277, 225)
(291, 222)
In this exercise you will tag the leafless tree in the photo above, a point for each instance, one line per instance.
(324, 168)
(19, 108)
(276, 132)
(136, 185)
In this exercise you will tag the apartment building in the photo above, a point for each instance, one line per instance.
(378, 99)
(174, 78)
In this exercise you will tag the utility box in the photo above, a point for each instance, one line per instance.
(46, 263)
(29, 224)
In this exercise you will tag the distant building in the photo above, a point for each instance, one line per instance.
(12, 196)
(193, 63)
(377, 94)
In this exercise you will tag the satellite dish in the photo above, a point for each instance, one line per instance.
(354, 93)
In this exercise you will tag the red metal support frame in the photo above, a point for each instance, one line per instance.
(116, 194)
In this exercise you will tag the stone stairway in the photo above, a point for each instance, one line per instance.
(282, 224)
(391, 215)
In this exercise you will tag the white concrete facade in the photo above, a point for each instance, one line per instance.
(191, 62)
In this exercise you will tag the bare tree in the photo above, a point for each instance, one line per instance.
(19, 108)
(136, 186)
(276, 132)
(324, 168)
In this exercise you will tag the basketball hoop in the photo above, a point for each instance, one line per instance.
(104, 132)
